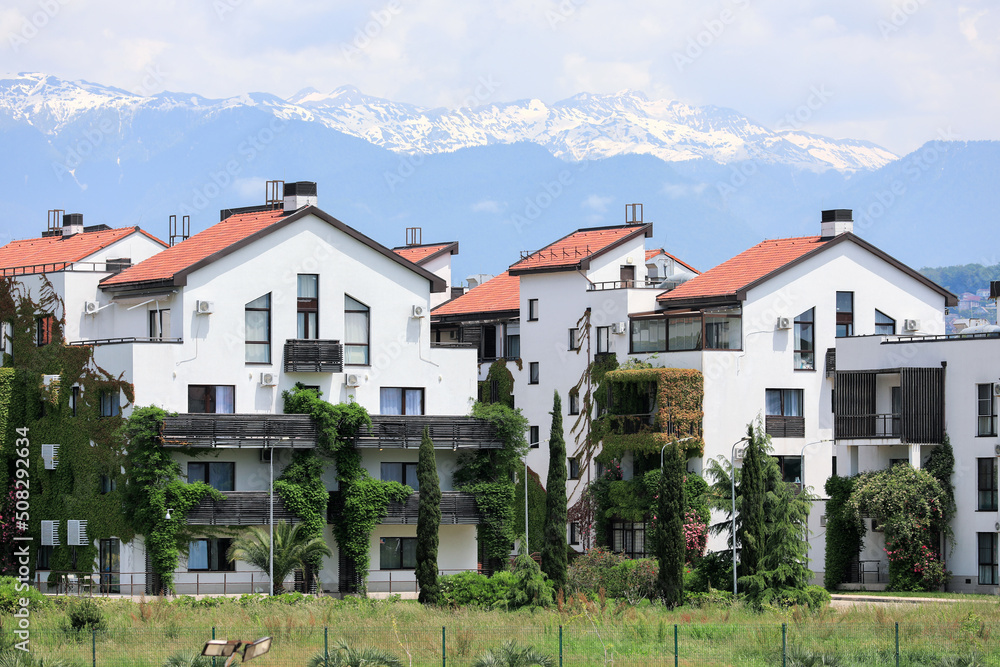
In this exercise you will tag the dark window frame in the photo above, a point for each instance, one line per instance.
(634, 328)
(156, 329)
(986, 414)
(304, 307)
(574, 532)
(407, 470)
(805, 355)
(44, 329)
(783, 424)
(247, 342)
(532, 310)
(573, 468)
(574, 403)
(880, 327)
(987, 552)
(402, 401)
(110, 403)
(206, 477)
(402, 541)
(210, 398)
(624, 533)
(986, 484)
(845, 318)
(603, 340)
(792, 461)
(214, 544)
(574, 339)
(534, 437)
(366, 346)
(534, 372)
(512, 351)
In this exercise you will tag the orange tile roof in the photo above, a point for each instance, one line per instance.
(651, 253)
(576, 249)
(173, 260)
(420, 253)
(498, 294)
(53, 253)
(749, 266)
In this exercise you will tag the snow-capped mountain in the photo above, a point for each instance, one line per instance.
(583, 127)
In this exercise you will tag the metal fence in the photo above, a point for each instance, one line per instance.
(580, 643)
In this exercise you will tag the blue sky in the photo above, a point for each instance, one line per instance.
(896, 72)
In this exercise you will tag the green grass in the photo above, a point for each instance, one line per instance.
(593, 633)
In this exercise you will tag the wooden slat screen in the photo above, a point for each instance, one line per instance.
(854, 405)
(922, 392)
(238, 430)
(406, 432)
(313, 356)
(240, 508)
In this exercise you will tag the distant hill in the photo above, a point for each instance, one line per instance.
(964, 278)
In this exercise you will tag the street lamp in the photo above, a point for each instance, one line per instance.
(802, 471)
(270, 507)
(732, 479)
(690, 437)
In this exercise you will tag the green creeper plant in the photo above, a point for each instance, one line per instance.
(844, 532)
(428, 522)
(293, 547)
(554, 534)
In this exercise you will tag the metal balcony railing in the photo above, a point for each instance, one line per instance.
(238, 430)
(406, 431)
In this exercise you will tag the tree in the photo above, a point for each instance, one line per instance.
(750, 531)
(554, 546)
(292, 549)
(428, 522)
(668, 531)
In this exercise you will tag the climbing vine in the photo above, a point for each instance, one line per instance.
(301, 488)
(498, 387)
(844, 531)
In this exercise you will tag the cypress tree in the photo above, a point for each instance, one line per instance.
(669, 535)
(428, 522)
(554, 543)
(751, 491)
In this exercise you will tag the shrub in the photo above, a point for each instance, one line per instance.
(713, 571)
(471, 588)
(85, 615)
(712, 598)
(531, 587)
(11, 596)
(592, 571)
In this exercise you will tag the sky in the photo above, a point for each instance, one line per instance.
(895, 72)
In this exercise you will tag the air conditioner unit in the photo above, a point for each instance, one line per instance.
(268, 379)
(265, 455)
(738, 453)
(996, 389)
(996, 449)
(418, 311)
(204, 307)
(784, 323)
(354, 379)
(619, 327)
(911, 325)
(91, 307)
(822, 521)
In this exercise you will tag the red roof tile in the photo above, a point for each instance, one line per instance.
(498, 294)
(651, 253)
(172, 261)
(53, 253)
(421, 253)
(577, 249)
(751, 265)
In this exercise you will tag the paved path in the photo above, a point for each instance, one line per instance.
(839, 601)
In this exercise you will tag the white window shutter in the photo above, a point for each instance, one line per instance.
(50, 455)
(76, 529)
(50, 533)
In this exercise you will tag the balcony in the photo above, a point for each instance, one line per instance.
(242, 430)
(631, 424)
(457, 507)
(650, 283)
(869, 405)
(313, 356)
(240, 508)
(405, 432)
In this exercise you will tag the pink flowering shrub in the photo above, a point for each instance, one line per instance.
(695, 537)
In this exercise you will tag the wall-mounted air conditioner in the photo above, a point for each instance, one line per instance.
(204, 307)
(354, 379)
(619, 327)
(265, 455)
(996, 389)
(268, 379)
(822, 521)
(911, 325)
(418, 311)
(996, 449)
(91, 307)
(784, 323)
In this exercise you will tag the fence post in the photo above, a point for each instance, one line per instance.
(444, 655)
(560, 641)
(675, 646)
(784, 628)
(897, 644)
(93, 646)
(326, 646)
(213, 637)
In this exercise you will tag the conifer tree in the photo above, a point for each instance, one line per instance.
(669, 522)
(554, 545)
(751, 491)
(428, 522)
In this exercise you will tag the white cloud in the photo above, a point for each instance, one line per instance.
(597, 203)
(677, 191)
(486, 206)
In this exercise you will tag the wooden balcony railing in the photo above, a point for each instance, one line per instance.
(457, 507)
(240, 508)
(406, 431)
(313, 356)
(240, 430)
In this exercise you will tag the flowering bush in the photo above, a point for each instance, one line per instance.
(695, 537)
(8, 531)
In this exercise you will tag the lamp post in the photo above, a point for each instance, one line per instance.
(690, 437)
(270, 507)
(732, 479)
(802, 471)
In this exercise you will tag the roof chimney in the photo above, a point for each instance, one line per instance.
(835, 222)
(297, 195)
(72, 223)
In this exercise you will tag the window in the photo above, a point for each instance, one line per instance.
(74, 398)
(628, 538)
(397, 553)
(533, 437)
(257, 316)
(220, 475)
(356, 326)
(574, 533)
(791, 469)
(649, 336)
(783, 413)
(211, 399)
(805, 345)
(987, 415)
(574, 467)
(574, 403)
(884, 325)
(987, 476)
(723, 329)
(833, 466)
(308, 306)
(44, 326)
(488, 348)
(401, 401)
(574, 339)
(210, 554)
(513, 346)
(603, 340)
(109, 403)
(533, 372)
(44, 558)
(159, 324)
(988, 558)
(627, 275)
(683, 333)
(108, 484)
(404, 473)
(845, 314)
(532, 310)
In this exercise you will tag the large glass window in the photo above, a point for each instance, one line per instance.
(404, 473)
(258, 330)
(845, 314)
(723, 329)
(987, 422)
(211, 398)
(884, 325)
(791, 469)
(628, 538)
(210, 554)
(308, 306)
(603, 340)
(987, 483)
(401, 401)
(683, 333)
(356, 327)
(783, 416)
(649, 335)
(513, 347)
(220, 475)
(988, 558)
(159, 323)
(805, 347)
(397, 553)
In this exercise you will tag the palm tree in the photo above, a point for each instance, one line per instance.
(512, 654)
(15, 658)
(292, 549)
(345, 656)
(187, 660)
